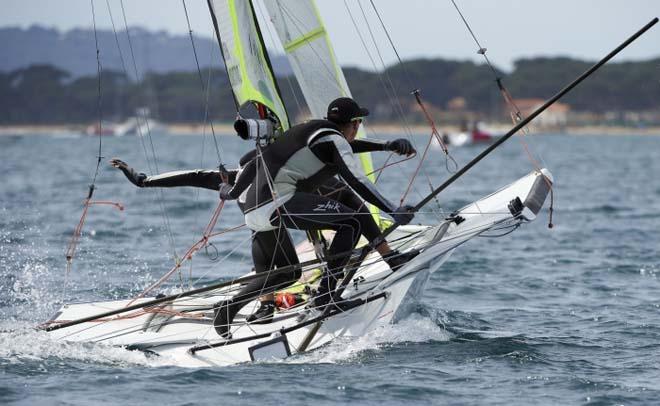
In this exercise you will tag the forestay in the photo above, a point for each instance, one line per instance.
(249, 69)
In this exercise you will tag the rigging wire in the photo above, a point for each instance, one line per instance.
(154, 169)
(389, 90)
(99, 105)
(394, 100)
(73, 242)
(188, 255)
(205, 89)
(397, 105)
(387, 85)
(417, 94)
(477, 230)
(515, 113)
(138, 128)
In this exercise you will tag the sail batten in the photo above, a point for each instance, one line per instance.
(300, 41)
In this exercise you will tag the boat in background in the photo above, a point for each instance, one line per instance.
(140, 124)
(479, 134)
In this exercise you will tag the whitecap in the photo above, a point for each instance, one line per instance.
(414, 329)
(21, 342)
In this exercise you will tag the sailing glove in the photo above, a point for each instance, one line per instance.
(401, 146)
(404, 214)
(136, 178)
(225, 191)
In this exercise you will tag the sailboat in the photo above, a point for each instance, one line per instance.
(478, 135)
(179, 328)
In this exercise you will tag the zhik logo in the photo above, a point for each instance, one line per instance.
(328, 206)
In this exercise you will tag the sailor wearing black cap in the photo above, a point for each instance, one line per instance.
(292, 168)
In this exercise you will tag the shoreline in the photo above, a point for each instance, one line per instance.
(226, 129)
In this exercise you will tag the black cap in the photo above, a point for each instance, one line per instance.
(345, 109)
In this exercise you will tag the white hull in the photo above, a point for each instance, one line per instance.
(173, 335)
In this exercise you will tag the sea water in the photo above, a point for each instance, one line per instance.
(568, 315)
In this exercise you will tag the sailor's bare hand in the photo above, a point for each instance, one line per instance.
(118, 163)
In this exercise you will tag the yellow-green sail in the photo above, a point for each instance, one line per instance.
(246, 60)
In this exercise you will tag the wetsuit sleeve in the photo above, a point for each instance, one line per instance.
(194, 178)
(245, 159)
(365, 145)
(333, 149)
(243, 179)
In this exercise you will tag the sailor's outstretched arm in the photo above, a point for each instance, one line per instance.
(401, 146)
(366, 145)
(196, 178)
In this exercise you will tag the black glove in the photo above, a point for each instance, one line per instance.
(401, 146)
(136, 178)
(403, 215)
(224, 191)
(224, 173)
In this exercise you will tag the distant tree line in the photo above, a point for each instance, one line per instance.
(43, 94)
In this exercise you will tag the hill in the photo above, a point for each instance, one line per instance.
(74, 51)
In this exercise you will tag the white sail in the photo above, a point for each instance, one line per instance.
(310, 53)
(301, 31)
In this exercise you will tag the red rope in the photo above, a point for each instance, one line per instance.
(419, 166)
(188, 255)
(434, 130)
(77, 232)
(73, 243)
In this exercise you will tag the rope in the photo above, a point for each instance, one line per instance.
(229, 288)
(154, 169)
(201, 82)
(87, 203)
(514, 111)
(416, 93)
(434, 133)
(188, 255)
(388, 84)
(99, 105)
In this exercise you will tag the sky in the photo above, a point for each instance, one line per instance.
(509, 29)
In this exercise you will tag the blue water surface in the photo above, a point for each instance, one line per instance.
(568, 315)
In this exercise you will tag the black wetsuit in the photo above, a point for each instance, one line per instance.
(292, 168)
(270, 249)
